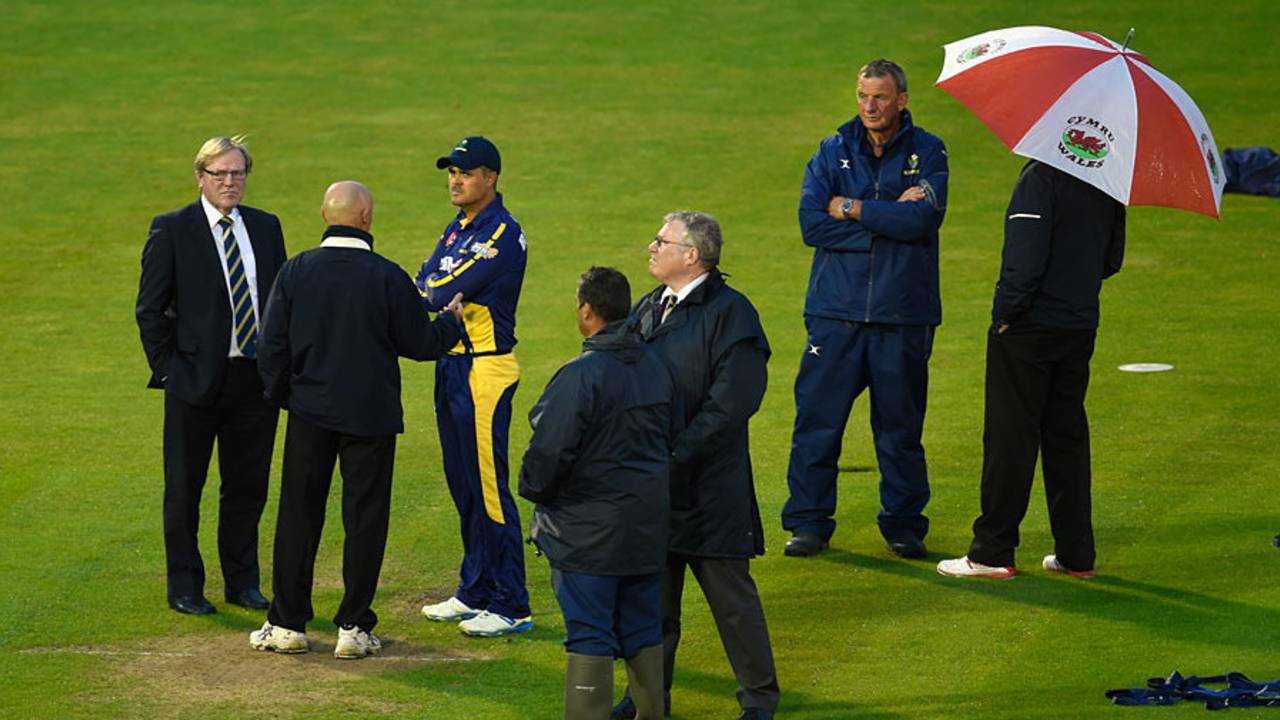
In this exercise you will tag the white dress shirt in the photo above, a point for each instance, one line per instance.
(246, 257)
(684, 291)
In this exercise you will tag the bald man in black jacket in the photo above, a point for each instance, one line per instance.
(337, 321)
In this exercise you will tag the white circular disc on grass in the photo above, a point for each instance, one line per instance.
(1146, 367)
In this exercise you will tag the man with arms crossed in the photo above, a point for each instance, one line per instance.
(481, 254)
(873, 199)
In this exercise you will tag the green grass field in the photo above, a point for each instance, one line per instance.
(608, 116)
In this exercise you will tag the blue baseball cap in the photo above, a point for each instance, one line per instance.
(472, 152)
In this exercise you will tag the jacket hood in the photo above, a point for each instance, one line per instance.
(620, 337)
(853, 131)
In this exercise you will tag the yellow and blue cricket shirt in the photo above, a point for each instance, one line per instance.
(483, 259)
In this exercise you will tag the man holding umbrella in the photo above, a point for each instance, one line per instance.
(1062, 237)
(1104, 130)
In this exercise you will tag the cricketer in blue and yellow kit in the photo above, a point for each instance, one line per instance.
(481, 254)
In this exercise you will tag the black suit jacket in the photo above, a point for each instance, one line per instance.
(183, 310)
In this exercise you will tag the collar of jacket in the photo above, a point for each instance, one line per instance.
(854, 132)
(619, 335)
(346, 231)
(699, 295)
(494, 208)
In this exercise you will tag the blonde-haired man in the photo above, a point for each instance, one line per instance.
(206, 271)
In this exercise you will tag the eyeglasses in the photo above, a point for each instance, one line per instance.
(659, 241)
(233, 174)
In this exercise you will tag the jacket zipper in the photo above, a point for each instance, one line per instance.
(871, 259)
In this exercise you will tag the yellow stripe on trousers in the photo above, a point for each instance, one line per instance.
(491, 375)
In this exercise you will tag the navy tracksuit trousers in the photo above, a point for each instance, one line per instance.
(841, 359)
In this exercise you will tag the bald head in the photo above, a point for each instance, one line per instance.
(348, 203)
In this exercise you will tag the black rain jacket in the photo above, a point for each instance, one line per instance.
(1062, 237)
(717, 349)
(597, 464)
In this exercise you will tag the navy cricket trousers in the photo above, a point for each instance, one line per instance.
(841, 359)
(473, 413)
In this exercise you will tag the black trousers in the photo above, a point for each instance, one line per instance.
(1036, 382)
(244, 426)
(735, 606)
(366, 464)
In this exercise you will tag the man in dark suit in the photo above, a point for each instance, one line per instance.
(339, 317)
(711, 337)
(206, 269)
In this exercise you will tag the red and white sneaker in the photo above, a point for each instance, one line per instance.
(1052, 565)
(964, 567)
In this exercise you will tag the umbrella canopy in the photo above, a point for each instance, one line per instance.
(1092, 108)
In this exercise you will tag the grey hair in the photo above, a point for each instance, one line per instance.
(886, 68)
(701, 232)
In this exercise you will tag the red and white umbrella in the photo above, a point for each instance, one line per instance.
(1092, 108)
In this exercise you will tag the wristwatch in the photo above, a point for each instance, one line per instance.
(846, 207)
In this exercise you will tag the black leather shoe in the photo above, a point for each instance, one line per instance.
(192, 605)
(908, 550)
(804, 545)
(249, 598)
(755, 714)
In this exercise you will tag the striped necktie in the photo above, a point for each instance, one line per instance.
(668, 304)
(246, 325)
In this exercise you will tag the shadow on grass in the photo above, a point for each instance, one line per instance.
(536, 692)
(719, 688)
(1164, 610)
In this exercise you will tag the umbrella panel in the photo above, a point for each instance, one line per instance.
(1028, 82)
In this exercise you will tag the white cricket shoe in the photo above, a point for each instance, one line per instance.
(1052, 565)
(964, 567)
(450, 610)
(354, 643)
(278, 639)
(488, 624)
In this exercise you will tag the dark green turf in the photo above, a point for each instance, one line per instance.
(608, 116)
